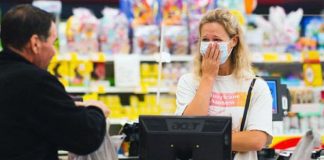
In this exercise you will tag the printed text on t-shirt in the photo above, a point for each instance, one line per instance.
(236, 99)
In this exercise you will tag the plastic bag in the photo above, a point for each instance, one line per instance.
(306, 145)
(107, 150)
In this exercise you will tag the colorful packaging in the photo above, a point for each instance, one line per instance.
(99, 81)
(144, 16)
(113, 35)
(174, 12)
(149, 74)
(176, 39)
(80, 72)
(175, 27)
(82, 32)
(312, 68)
(99, 71)
(314, 29)
(146, 39)
(279, 31)
(231, 4)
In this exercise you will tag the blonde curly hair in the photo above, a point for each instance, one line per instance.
(240, 57)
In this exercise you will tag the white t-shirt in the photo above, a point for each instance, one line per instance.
(228, 99)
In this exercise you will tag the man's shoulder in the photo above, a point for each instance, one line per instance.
(23, 71)
(34, 71)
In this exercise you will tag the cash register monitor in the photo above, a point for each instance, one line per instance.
(274, 86)
(185, 138)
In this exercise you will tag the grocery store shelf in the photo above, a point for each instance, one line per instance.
(182, 58)
(173, 58)
(307, 107)
(77, 89)
(257, 58)
(117, 90)
(319, 88)
(111, 58)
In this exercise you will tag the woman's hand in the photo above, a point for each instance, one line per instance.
(210, 66)
(210, 62)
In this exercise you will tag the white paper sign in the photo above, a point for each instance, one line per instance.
(127, 70)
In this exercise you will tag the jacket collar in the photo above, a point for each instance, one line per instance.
(10, 55)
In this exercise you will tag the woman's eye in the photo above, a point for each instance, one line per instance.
(217, 40)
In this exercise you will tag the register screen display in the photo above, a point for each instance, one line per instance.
(273, 89)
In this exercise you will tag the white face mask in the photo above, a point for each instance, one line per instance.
(222, 48)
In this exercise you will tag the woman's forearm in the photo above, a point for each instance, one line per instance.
(248, 141)
(200, 103)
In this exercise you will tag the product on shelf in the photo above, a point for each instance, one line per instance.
(99, 71)
(312, 36)
(172, 72)
(176, 39)
(304, 43)
(82, 32)
(278, 32)
(144, 17)
(136, 107)
(290, 123)
(149, 74)
(302, 96)
(99, 81)
(321, 38)
(113, 34)
(297, 123)
(80, 73)
(314, 30)
(175, 27)
(231, 4)
(173, 12)
(146, 39)
(312, 68)
(142, 12)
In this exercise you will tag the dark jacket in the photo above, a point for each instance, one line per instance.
(37, 116)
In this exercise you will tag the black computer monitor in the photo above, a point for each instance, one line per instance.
(184, 138)
(274, 86)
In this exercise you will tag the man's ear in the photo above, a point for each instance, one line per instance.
(34, 44)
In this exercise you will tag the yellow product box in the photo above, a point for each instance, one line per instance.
(313, 74)
(60, 69)
(311, 56)
(271, 57)
(80, 73)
